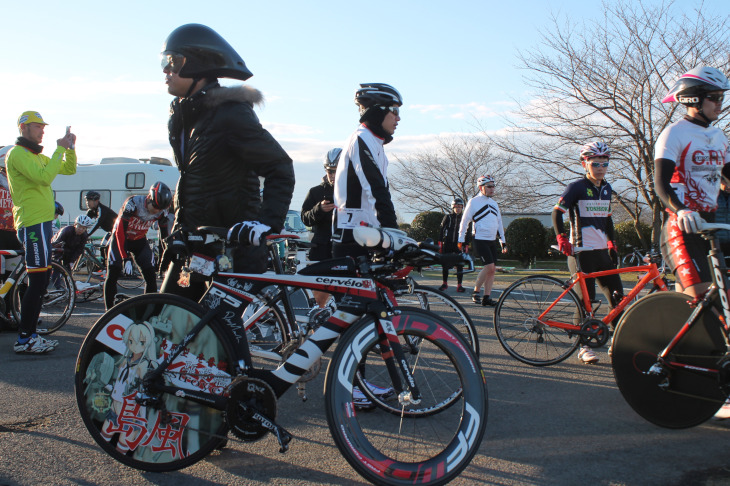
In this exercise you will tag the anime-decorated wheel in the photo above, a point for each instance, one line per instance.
(248, 396)
(148, 429)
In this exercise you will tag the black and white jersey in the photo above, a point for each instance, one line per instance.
(487, 218)
(361, 191)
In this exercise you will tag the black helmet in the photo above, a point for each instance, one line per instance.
(59, 209)
(376, 94)
(457, 201)
(93, 195)
(332, 158)
(160, 195)
(207, 54)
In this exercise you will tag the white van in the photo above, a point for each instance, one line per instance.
(115, 178)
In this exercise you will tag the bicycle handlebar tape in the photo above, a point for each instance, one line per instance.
(382, 238)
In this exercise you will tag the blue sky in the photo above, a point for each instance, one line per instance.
(95, 66)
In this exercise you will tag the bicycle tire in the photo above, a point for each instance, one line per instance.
(645, 330)
(57, 304)
(134, 281)
(446, 307)
(409, 449)
(135, 435)
(531, 341)
(630, 260)
(267, 335)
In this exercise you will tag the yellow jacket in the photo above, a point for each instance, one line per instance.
(30, 176)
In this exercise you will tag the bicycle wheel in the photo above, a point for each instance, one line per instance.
(686, 397)
(268, 337)
(528, 339)
(133, 281)
(57, 302)
(408, 448)
(443, 305)
(167, 432)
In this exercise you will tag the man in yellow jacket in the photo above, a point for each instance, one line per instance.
(30, 175)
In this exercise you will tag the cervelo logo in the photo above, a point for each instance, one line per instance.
(712, 157)
(355, 283)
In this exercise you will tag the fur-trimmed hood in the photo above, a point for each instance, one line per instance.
(214, 96)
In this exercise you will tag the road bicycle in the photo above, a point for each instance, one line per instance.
(541, 320)
(160, 380)
(638, 257)
(671, 355)
(57, 302)
(91, 266)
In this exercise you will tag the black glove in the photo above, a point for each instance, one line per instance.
(248, 233)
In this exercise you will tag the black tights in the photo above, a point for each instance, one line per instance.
(32, 302)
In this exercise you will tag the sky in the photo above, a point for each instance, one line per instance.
(96, 66)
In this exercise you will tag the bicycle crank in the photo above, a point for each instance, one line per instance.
(593, 333)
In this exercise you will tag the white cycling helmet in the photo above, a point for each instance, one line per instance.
(692, 86)
(84, 220)
(594, 149)
(484, 180)
(3, 152)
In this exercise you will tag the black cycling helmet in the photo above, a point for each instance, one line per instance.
(332, 158)
(207, 54)
(457, 201)
(59, 209)
(376, 94)
(160, 195)
(93, 195)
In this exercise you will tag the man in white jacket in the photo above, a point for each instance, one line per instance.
(488, 230)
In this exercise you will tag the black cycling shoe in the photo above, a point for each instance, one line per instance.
(487, 301)
(443, 287)
(475, 298)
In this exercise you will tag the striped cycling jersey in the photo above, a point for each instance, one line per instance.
(589, 210)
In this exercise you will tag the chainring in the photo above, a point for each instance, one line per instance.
(255, 394)
(598, 333)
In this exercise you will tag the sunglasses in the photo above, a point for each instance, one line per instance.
(599, 164)
(172, 62)
(331, 171)
(717, 98)
(394, 110)
(490, 186)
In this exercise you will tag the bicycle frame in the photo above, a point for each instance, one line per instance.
(651, 274)
(12, 279)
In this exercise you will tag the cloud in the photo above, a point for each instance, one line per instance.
(464, 110)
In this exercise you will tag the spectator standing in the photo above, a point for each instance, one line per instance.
(449, 241)
(484, 213)
(30, 174)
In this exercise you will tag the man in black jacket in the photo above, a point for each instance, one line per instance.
(221, 150)
(449, 241)
(317, 213)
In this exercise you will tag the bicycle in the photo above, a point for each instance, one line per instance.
(671, 355)
(540, 320)
(636, 257)
(161, 379)
(58, 301)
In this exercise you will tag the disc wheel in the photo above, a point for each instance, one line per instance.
(690, 397)
(57, 302)
(525, 332)
(406, 449)
(168, 432)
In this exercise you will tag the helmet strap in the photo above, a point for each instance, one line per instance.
(196, 80)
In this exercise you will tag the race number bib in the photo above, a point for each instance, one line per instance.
(349, 218)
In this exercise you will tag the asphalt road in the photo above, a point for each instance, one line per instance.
(566, 424)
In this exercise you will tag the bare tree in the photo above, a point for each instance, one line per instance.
(604, 79)
(428, 180)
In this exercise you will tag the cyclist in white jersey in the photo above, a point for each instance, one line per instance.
(688, 159)
(484, 212)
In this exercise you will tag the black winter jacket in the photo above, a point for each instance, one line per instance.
(221, 149)
(319, 220)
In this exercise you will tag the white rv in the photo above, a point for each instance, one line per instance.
(115, 178)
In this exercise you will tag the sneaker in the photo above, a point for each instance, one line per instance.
(724, 412)
(587, 355)
(459, 288)
(379, 391)
(444, 286)
(360, 400)
(35, 345)
(475, 298)
(487, 301)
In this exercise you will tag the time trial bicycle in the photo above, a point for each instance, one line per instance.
(160, 379)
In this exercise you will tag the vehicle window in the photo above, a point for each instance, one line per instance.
(105, 199)
(135, 180)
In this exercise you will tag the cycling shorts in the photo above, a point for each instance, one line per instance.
(36, 240)
(487, 251)
(686, 254)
